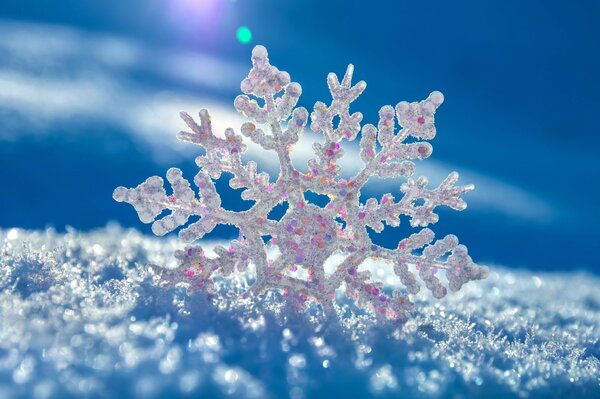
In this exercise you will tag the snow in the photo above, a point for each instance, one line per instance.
(83, 314)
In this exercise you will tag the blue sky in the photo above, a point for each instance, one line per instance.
(90, 93)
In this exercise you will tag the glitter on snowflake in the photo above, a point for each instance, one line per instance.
(308, 235)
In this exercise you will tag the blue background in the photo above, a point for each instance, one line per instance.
(520, 81)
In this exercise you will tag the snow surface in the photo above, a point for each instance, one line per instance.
(81, 314)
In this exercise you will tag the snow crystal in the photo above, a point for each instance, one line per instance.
(308, 235)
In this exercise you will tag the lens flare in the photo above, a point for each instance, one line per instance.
(244, 35)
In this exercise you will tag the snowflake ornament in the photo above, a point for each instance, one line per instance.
(308, 235)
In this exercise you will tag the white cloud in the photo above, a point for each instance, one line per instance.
(54, 74)
(47, 49)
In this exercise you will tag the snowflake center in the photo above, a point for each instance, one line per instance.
(306, 235)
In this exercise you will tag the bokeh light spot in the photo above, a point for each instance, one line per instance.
(244, 35)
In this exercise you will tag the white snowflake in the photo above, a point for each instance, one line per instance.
(308, 235)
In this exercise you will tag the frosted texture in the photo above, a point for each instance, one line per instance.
(83, 314)
(308, 236)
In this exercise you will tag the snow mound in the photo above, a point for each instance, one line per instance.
(82, 314)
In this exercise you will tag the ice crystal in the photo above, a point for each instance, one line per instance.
(307, 235)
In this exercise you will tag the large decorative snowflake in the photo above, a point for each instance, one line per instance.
(308, 235)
